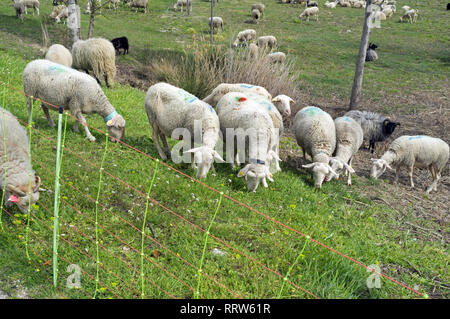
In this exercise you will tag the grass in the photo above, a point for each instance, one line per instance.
(337, 216)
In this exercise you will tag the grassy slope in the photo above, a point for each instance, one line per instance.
(333, 216)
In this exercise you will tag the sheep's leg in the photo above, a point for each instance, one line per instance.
(75, 127)
(49, 118)
(164, 141)
(411, 169)
(29, 109)
(155, 134)
(397, 170)
(83, 122)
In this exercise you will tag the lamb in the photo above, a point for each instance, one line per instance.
(371, 55)
(217, 23)
(411, 15)
(349, 138)
(313, 11)
(63, 14)
(181, 4)
(98, 55)
(61, 86)
(331, 5)
(18, 181)
(138, 4)
(32, 4)
(169, 108)
(59, 54)
(276, 57)
(19, 7)
(316, 135)
(420, 150)
(254, 137)
(267, 41)
(256, 14)
(260, 7)
(283, 104)
(245, 37)
(225, 88)
(376, 127)
(120, 43)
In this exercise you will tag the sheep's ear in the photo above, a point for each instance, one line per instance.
(388, 166)
(218, 157)
(349, 168)
(373, 160)
(276, 99)
(38, 183)
(333, 172)
(243, 172)
(193, 150)
(15, 189)
(291, 100)
(309, 165)
(275, 155)
(268, 174)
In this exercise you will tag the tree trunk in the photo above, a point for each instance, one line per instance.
(188, 7)
(73, 20)
(92, 18)
(357, 82)
(211, 28)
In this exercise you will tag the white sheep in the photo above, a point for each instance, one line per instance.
(19, 7)
(57, 10)
(245, 37)
(256, 15)
(253, 50)
(308, 12)
(138, 4)
(267, 41)
(59, 54)
(181, 4)
(253, 137)
(349, 138)
(169, 108)
(388, 12)
(379, 16)
(20, 178)
(224, 88)
(409, 151)
(32, 4)
(260, 7)
(97, 55)
(217, 23)
(58, 85)
(316, 135)
(411, 15)
(63, 14)
(276, 57)
(283, 104)
(406, 8)
(331, 5)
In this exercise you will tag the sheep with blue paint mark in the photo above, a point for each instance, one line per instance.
(169, 108)
(224, 88)
(414, 151)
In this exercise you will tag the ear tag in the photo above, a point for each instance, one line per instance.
(13, 199)
(109, 123)
(241, 173)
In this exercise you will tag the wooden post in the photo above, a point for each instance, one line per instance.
(357, 82)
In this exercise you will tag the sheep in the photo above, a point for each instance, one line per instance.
(349, 138)
(376, 127)
(59, 54)
(316, 135)
(61, 86)
(411, 15)
(283, 104)
(345, 4)
(19, 7)
(276, 57)
(371, 55)
(245, 37)
(359, 4)
(32, 4)
(267, 41)
(138, 4)
(256, 136)
(217, 23)
(311, 3)
(331, 5)
(253, 50)
(256, 14)
(406, 8)
(380, 16)
(18, 180)
(98, 55)
(120, 43)
(260, 7)
(224, 88)
(388, 12)
(181, 4)
(56, 11)
(313, 11)
(63, 14)
(169, 108)
(409, 151)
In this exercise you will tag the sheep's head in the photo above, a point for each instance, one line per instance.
(389, 126)
(204, 158)
(338, 166)
(255, 174)
(283, 104)
(116, 127)
(20, 196)
(378, 167)
(321, 171)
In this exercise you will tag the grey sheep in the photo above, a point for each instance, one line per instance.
(260, 7)
(19, 7)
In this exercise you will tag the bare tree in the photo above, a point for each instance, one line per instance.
(188, 7)
(357, 82)
(73, 20)
(211, 27)
(94, 10)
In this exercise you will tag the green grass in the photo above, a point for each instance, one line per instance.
(337, 216)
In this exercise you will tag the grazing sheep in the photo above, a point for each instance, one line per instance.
(411, 15)
(376, 127)
(217, 23)
(311, 3)
(225, 88)
(316, 135)
(138, 4)
(283, 104)
(256, 15)
(181, 4)
(345, 4)
(55, 2)
(32, 4)
(260, 7)
(331, 5)
(169, 108)
(421, 151)
(267, 41)
(276, 57)
(371, 55)
(234, 110)
(253, 50)
(120, 43)
(63, 14)
(59, 85)
(245, 37)
(313, 11)
(59, 54)
(19, 7)
(406, 8)
(98, 55)
(359, 4)
(57, 10)
(380, 16)
(18, 181)
(349, 138)
(388, 12)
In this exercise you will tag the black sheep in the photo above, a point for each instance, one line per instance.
(371, 55)
(120, 43)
